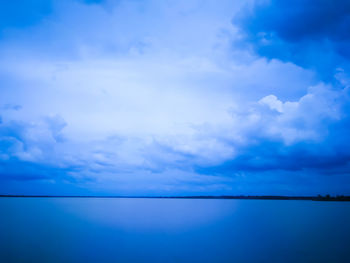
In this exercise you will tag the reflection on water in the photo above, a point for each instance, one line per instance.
(172, 230)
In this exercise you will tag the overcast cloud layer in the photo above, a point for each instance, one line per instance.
(175, 97)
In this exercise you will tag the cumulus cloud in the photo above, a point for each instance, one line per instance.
(293, 135)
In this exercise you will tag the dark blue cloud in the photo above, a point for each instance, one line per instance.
(272, 156)
(311, 33)
(17, 170)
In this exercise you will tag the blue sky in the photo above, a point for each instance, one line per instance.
(175, 97)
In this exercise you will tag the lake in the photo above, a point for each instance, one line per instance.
(172, 230)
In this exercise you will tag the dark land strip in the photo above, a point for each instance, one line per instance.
(244, 197)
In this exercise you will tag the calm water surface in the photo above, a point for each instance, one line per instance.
(172, 230)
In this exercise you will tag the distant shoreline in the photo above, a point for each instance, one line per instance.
(262, 197)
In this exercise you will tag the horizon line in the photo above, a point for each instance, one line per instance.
(251, 197)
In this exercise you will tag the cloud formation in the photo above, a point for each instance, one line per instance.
(312, 33)
(178, 97)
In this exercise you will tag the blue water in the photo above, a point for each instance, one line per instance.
(172, 230)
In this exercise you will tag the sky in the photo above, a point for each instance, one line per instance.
(175, 97)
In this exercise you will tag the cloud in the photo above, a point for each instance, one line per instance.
(29, 141)
(152, 97)
(308, 138)
(310, 33)
(272, 102)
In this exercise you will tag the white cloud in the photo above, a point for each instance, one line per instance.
(272, 102)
